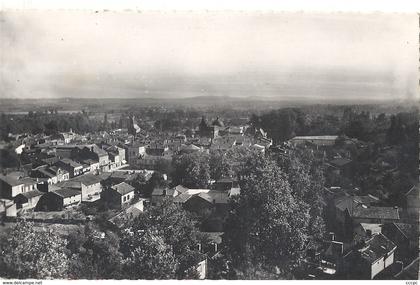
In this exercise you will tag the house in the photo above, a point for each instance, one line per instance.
(202, 269)
(7, 208)
(345, 211)
(405, 236)
(90, 165)
(119, 196)
(51, 174)
(160, 194)
(59, 200)
(10, 187)
(28, 200)
(375, 215)
(153, 162)
(88, 184)
(373, 257)
(364, 231)
(191, 148)
(341, 166)
(96, 153)
(377, 254)
(226, 184)
(116, 155)
(74, 168)
(128, 214)
(67, 151)
(314, 140)
(200, 204)
(134, 151)
(210, 205)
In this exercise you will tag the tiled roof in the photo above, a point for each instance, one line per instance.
(367, 200)
(181, 189)
(218, 197)
(10, 180)
(96, 149)
(14, 182)
(87, 179)
(67, 192)
(159, 192)
(376, 213)
(376, 247)
(182, 198)
(123, 188)
(409, 230)
(33, 193)
(70, 162)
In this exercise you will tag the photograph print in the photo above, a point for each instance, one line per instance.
(143, 145)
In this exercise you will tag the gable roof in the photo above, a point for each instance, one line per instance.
(70, 162)
(352, 202)
(12, 181)
(408, 230)
(96, 149)
(182, 198)
(31, 194)
(87, 179)
(374, 228)
(67, 192)
(123, 188)
(376, 247)
(217, 197)
(376, 213)
(168, 192)
(180, 189)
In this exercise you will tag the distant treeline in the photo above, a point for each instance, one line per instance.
(382, 128)
(48, 123)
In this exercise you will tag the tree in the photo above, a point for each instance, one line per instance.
(220, 165)
(95, 256)
(147, 256)
(178, 230)
(155, 181)
(192, 170)
(266, 225)
(30, 253)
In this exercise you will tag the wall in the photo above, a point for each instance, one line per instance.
(92, 190)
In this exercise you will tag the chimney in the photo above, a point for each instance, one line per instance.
(332, 236)
(199, 247)
(215, 247)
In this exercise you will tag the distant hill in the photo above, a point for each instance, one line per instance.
(8, 105)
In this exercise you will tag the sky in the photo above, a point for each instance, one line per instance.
(52, 54)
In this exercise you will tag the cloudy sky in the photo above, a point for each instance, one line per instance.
(46, 54)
